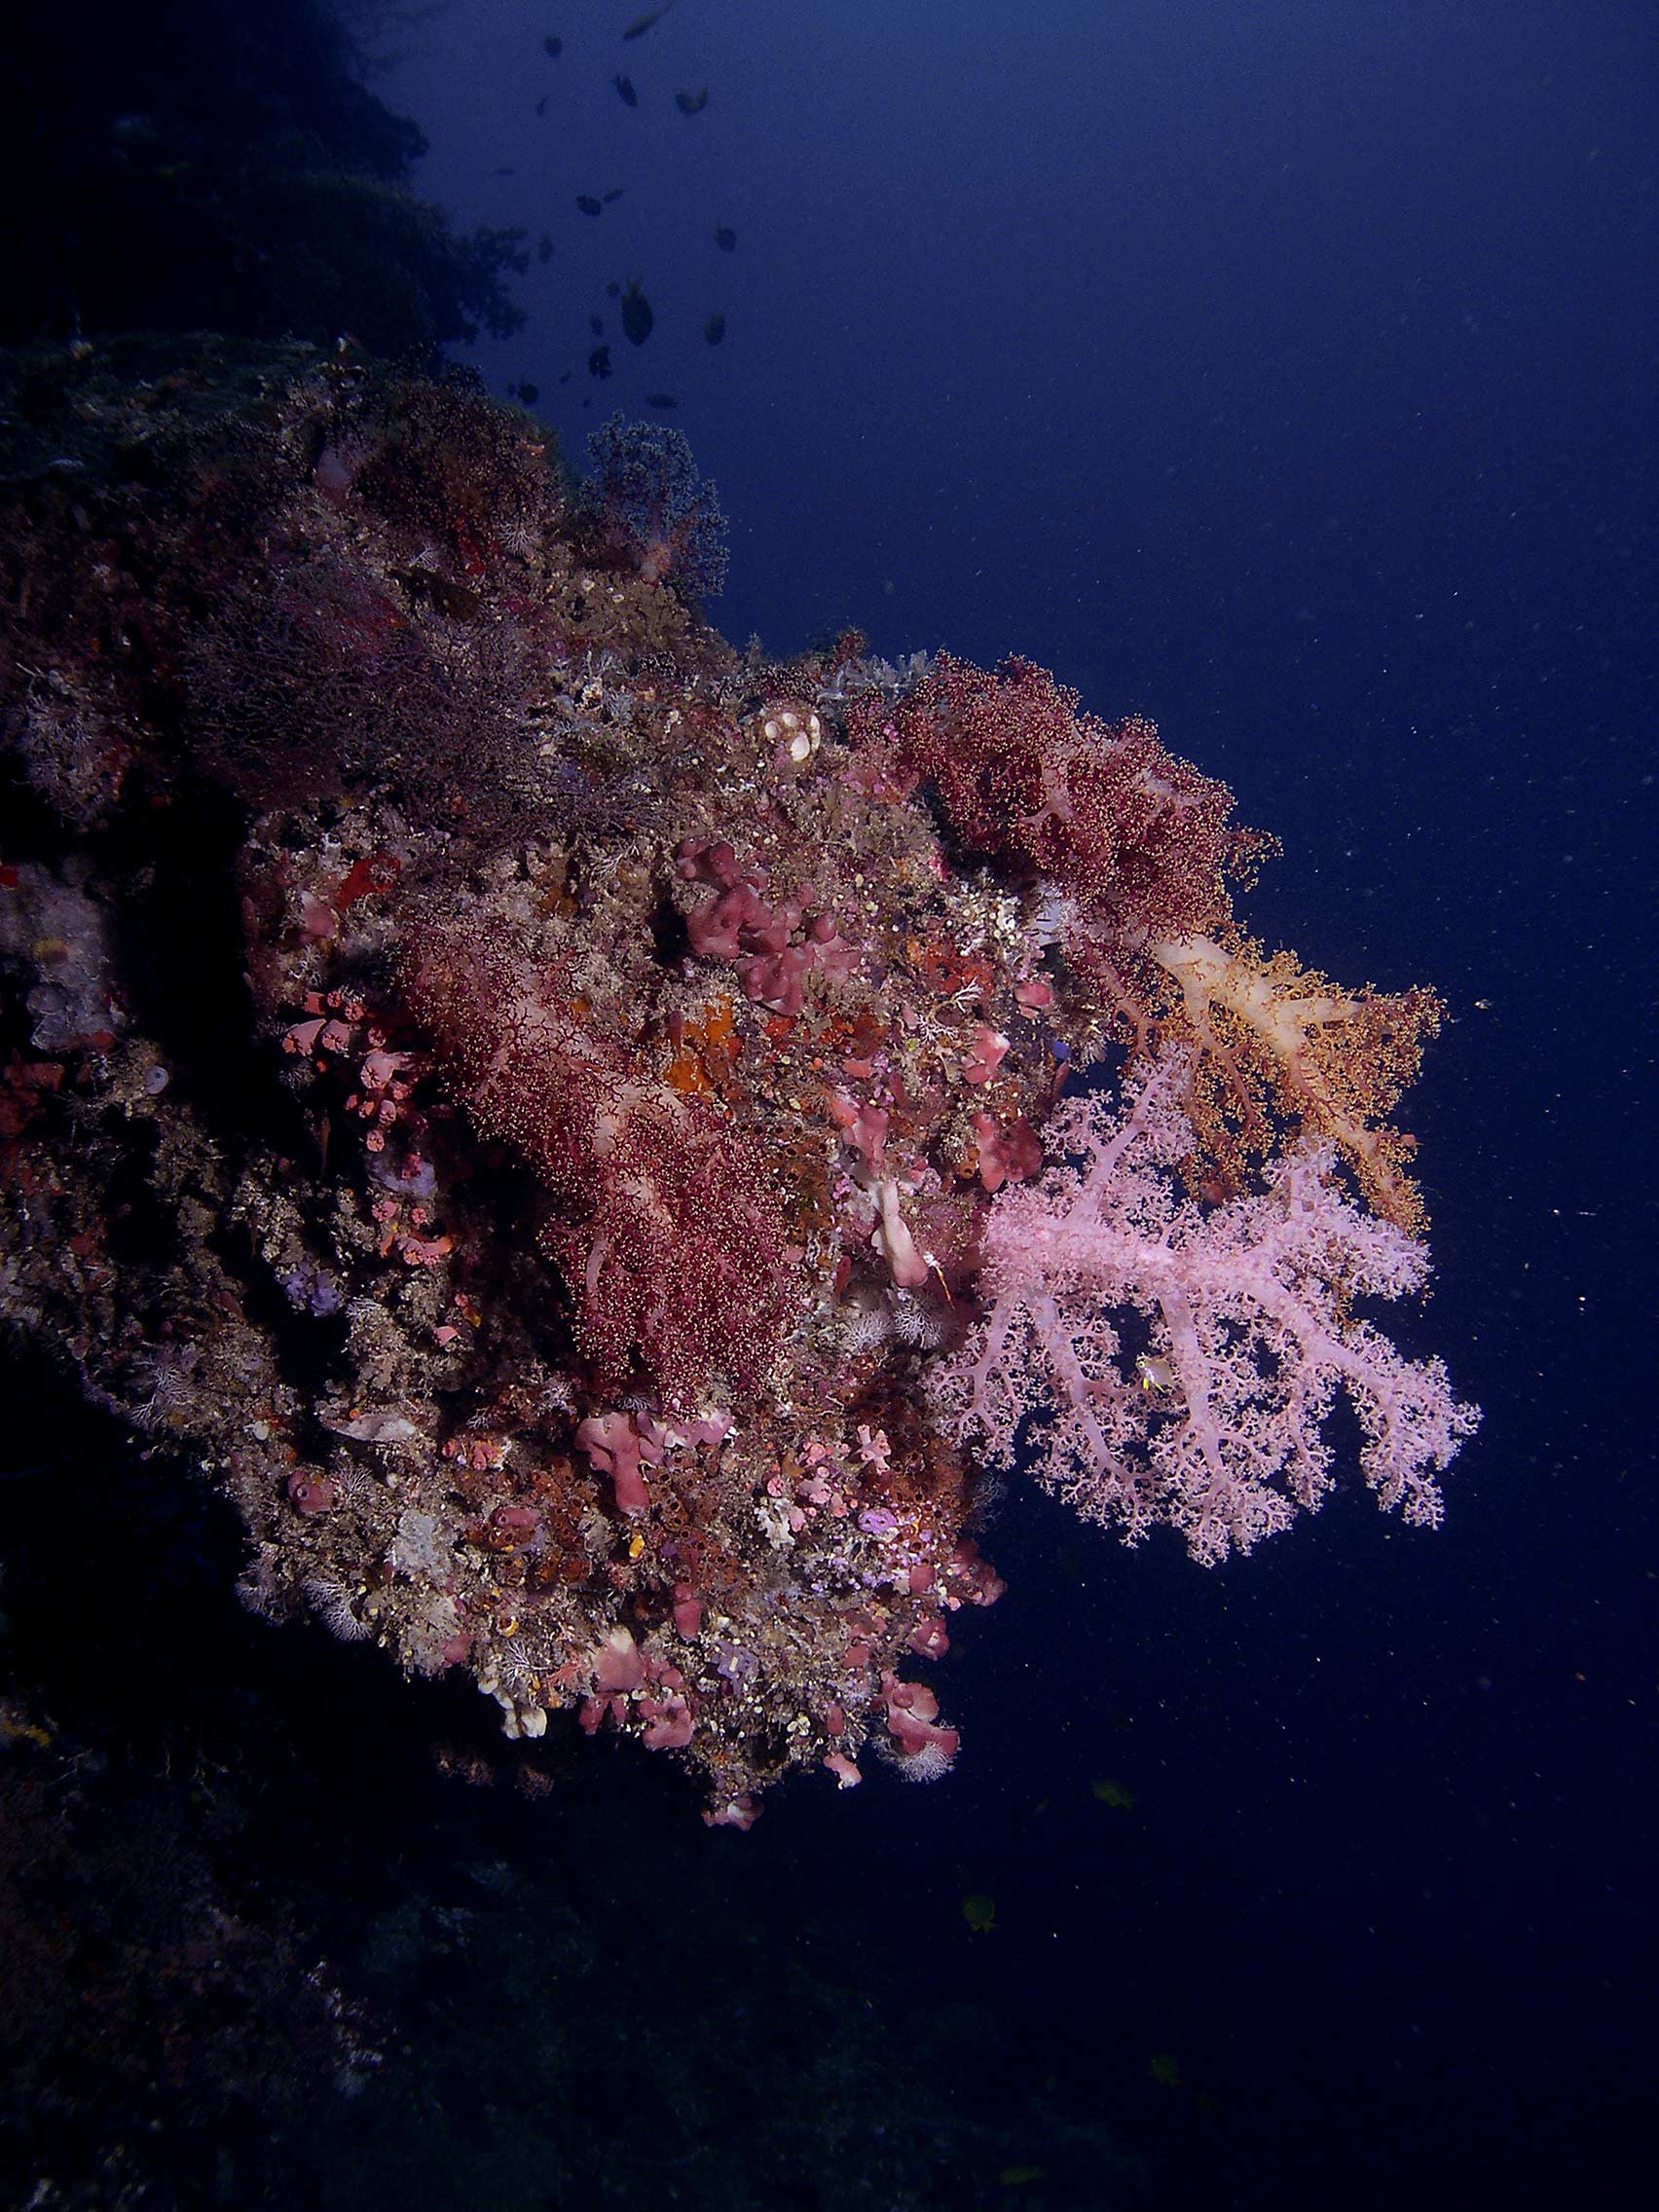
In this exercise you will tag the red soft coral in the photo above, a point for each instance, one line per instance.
(665, 1222)
(1104, 810)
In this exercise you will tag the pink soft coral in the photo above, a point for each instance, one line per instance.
(1178, 1364)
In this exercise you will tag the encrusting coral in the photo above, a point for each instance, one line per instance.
(525, 1096)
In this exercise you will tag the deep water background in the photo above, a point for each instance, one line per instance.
(1285, 372)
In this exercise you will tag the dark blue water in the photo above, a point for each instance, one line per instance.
(1284, 372)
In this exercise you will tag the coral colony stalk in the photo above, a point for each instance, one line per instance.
(665, 1111)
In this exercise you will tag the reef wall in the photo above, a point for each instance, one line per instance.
(592, 1140)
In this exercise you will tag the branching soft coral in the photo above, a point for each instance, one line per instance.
(1333, 1062)
(653, 507)
(1269, 1042)
(665, 1222)
(1103, 810)
(1177, 1365)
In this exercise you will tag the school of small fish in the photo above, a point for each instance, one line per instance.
(636, 316)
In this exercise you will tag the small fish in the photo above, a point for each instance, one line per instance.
(636, 315)
(1114, 1794)
(714, 330)
(726, 238)
(596, 323)
(643, 23)
(544, 247)
(567, 375)
(588, 204)
(615, 193)
(529, 394)
(599, 362)
(17, 1726)
(625, 85)
(663, 399)
(693, 103)
(553, 45)
(503, 172)
(1153, 1373)
(541, 105)
(614, 290)
(979, 1912)
(1166, 2068)
(1017, 2177)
